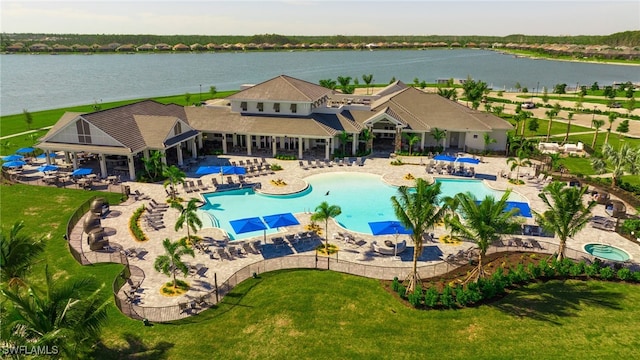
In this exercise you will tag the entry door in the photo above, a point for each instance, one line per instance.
(453, 139)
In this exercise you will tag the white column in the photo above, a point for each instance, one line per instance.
(354, 145)
(422, 140)
(332, 145)
(249, 144)
(224, 143)
(74, 159)
(67, 158)
(132, 168)
(48, 157)
(327, 143)
(103, 165)
(300, 147)
(194, 153)
(274, 150)
(199, 137)
(179, 151)
(146, 153)
(235, 140)
(163, 157)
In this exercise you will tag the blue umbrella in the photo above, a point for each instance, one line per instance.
(280, 220)
(44, 156)
(25, 150)
(468, 160)
(14, 164)
(388, 228)
(47, 167)
(12, 157)
(248, 225)
(444, 158)
(233, 170)
(206, 170)
(82, 171)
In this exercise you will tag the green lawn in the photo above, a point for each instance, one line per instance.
(557, 128)
(312, 314)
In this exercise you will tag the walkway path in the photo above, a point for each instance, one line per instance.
(361, 253)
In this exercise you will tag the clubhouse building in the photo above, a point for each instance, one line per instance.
(283, 115)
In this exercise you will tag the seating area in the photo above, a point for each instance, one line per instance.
(392, 250)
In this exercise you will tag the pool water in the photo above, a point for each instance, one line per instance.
(608, 252)
(363, 198)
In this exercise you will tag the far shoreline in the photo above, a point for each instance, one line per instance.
(586, 61)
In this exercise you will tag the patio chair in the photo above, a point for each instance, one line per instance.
(229, 180)
(340, 162)
(137, 193)
(222, 254)
(241, 162)
(257, 246)
(247, 248)
(264, 161)
(215, 183)
(134, 286)
(302, 165)
(202, 186)
(347, 161)
(186, 187)
(193, 186)
(156, 205)
(255, 161)
(359, 161)
(311, 164)
(328, 162)
(156, 226)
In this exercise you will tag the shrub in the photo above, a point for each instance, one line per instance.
(521, 274)
(473, 292)
(431, 297)
(415, 298)
(446, 298)
(487, 287)
(402, 291)
(546, 269)
(395, 285)
(134, 225)
(607, 273)
(563, 267)
(534, 270)
(577, 268)
(592, 270)
(624, 274)
(462, 296)
(285, 157)
(276, 167)
(636, 276)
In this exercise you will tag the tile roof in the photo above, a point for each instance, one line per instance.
(283, 88)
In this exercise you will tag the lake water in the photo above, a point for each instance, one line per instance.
(39, 82)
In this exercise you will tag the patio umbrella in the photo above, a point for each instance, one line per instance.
(248, 225)
(233, 170)
(444, 158)
(468, 160)
(82, 171)
(25, 150)
(391, 227)
(47, 167)
(13, 157)
(44, 156)
(206, 170)
(280, 220)
(14, 164)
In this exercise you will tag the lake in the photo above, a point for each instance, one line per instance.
(39, 82)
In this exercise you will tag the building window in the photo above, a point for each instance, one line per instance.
(261, 107)
(243, 106)
(475, 136)
(276, 107)
(294, 108)
(84, 132)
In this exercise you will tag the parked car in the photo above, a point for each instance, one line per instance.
(528, 105)
(616, 105)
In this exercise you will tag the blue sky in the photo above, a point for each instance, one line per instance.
(319, 17)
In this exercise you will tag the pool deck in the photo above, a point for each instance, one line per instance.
(293, 175)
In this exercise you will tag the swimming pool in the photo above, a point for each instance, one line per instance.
(608, 252)
(362, 197)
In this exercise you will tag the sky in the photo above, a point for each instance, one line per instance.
(321, 17)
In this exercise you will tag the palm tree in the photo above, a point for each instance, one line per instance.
(418, 210)
(521, 159)
(188, 216)
(18, 253)
(171, 262)
(324, 212)
(482, 222)
(438, 135)
(344, 82)
(411, 139)
(344, 138)
(368, 79)
(569, 117)
(28, 118)
(174, 177)
(596, 124)
(566, 213)
(488, 140)
(625, 158)
(328, 83)
(367, 136)
(153, 165)
(612, 117)
(66, 315)
(550, 115)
